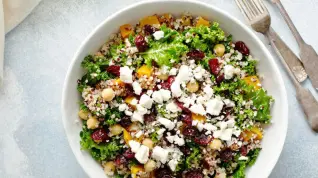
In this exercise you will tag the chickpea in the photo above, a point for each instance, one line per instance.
(83, 114)
(193, 87)
(163, 76)
(108, 94)
(116, 129)
(150, 166)
(109, 168)
(219, 50)
(148, 143)
(216, 144)
(92, 122)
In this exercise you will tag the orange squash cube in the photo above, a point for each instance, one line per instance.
(202, 21)
(144, 70)
(127, 136)
(135, 169)
(150, 20)
(129, 100)
(126, 30)
(253, 81)
(198, 117)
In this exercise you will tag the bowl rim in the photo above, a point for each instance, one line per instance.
(211, 6)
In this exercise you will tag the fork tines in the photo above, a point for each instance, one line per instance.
(252, 8)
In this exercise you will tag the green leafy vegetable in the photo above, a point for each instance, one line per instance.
(240, 172)
(250, 69)
(194, 157)
(111, 115)
(102, 151)
(252, 155)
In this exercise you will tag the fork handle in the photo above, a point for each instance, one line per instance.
(307, 101)
(290, 23)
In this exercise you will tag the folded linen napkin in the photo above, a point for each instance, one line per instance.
(12, 12)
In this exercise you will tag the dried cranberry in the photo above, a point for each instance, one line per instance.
(125, 122)
(219, 78)
(184, 109)
(163, 173)
(243, 150)
(99, 135)
(186, 118)
(194, 174)
(149, 29)
(115, 70)
(242, 48)
(202, 139)
(226, 155)
(167, 84)
(148, 118)
(214, 66)
(141, 43)
(120, 160)
(129, 154)
(129, 90)
(185, 150)
(189, 131)
(196, 54)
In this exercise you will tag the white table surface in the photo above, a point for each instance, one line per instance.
(37, 54)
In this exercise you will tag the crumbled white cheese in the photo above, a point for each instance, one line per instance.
(225, 135)
(142, 154)
(166, 94)
(128, 113)
(134, 102)
(167, 123)
(179, 140)
(160, 132)
(210, 127)
(139, 134)
(141, 110)
(229, 103)
(170, 138)
(134, 146)
(208, 91)
(137, 88)
(214, 106)
(122, 107)
(160, 154)
(145, 101)
(172, 107)
(198, 109)
(176, 89)
(126, 74)
(173, 164)
(228, 71)
(157, 97)
(184, 74)
(243, 158)
(158, 35)
(173, 71)
(230, 123)
(137, 117)
(200, 126)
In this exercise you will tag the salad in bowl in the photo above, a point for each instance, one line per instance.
(173, 97)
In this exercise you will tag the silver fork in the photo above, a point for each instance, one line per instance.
(259, 18)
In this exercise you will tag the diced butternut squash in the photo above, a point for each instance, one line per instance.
(253, 81)
(127, 136)
(126, 30)
(118, 82)
(258, 132)
(202, 21)
(186, 20)
(135, 169)
(249, 134)
(198, 117)
(130, 100)
(150, 20)
(144, 70)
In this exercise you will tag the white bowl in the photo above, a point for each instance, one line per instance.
(275, 134)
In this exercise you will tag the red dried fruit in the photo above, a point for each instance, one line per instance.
(99, 136)
(163, 173)
(148, 118)
(167, 84)
(141, 43)
(243, 150)
(189, 131)
(120, 160)
(219, 79)
(242, 48)
(186, 118)
(185, 150)
(196, 54)
(115, 70)
(194, 174)
(202, 139)
(149, 29)
(214, 66)
(129, 90)
(125, 122)
(129, 154)
(226, 155)
(184, 109)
